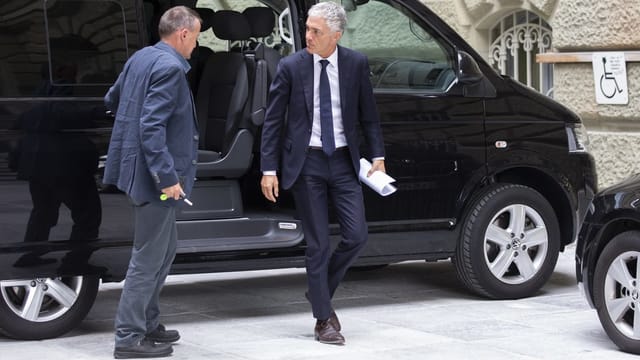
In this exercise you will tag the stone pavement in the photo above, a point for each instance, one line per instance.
(414, 310)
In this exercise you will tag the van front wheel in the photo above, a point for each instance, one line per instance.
(43, 308)
(509, 243)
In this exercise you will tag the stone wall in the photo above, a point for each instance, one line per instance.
(596, 25)
(614, 130)
(616, 155)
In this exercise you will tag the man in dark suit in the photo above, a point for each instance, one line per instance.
(324, 92)
(152, 158)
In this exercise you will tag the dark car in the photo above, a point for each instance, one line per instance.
(490, 173)
(608, 261)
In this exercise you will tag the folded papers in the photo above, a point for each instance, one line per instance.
(378, 181)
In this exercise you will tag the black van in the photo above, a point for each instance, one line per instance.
(490, 173)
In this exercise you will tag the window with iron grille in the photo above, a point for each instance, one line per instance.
(515, 41)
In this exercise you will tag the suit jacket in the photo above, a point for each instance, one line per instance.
(155, 136)
(285, 143)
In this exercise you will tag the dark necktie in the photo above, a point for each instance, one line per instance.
(326, 117)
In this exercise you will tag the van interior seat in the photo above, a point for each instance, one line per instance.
(225, 145)
(263, 21)
(200, 54)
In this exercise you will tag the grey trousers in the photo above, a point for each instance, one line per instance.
(154, 248)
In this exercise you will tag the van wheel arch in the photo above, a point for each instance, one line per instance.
(549, 187)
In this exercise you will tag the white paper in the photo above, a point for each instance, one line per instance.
(378, 181)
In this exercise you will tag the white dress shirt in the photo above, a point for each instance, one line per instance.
(336, 111)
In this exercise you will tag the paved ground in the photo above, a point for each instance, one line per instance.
(411, 311)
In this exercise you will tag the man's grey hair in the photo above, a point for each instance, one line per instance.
(176, 18)
(334, 15)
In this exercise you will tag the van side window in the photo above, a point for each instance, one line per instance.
(403, 53)
(75, 48)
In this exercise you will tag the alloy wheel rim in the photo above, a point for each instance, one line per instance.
(516, 244)
(41, 299)
(622, 293)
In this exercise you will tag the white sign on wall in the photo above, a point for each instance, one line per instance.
(610, 78)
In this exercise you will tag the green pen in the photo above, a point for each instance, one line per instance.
(164, 197)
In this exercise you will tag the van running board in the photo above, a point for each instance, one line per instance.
(246, 233)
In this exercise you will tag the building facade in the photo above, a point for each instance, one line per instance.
(511, 34)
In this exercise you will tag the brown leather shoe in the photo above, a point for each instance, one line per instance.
(327, 334)
(333, 318)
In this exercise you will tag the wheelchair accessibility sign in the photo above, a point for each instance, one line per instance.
(610, 77)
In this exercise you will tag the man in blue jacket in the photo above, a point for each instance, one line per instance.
(152, 158)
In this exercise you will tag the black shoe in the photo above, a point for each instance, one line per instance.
(162, 335)
(142, 349)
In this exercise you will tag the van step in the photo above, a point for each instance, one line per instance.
(246, 233)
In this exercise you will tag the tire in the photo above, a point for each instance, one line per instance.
(616, 290)
(502, 256)
(60, 305)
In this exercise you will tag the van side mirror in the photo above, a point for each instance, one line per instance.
(468, 69)
(475, 83)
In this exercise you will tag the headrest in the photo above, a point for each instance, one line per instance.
(231, 25)
(261, 19)
(207, 17)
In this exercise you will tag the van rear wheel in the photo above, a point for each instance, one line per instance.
(42, 308)
(509, 244)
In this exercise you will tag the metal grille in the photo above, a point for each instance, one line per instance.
(515, 41)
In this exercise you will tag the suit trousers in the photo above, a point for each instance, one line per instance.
(325, 178)
(154, 248)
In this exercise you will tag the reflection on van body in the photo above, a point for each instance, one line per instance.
(55, 120)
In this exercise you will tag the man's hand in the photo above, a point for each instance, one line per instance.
(378, 165)
(173, 192)
(269, 185)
